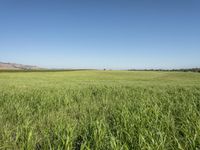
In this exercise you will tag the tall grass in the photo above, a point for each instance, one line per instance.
(100, 110)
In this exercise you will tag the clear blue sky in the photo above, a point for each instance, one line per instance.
(116, 34)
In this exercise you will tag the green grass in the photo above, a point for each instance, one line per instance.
(101, 110)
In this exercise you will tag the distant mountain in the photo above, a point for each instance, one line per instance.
(14, 66)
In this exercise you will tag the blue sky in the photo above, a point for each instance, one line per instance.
(117, 34)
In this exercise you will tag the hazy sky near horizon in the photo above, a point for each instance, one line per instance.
(116, 34)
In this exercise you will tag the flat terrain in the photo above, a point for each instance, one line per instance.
(99, 110)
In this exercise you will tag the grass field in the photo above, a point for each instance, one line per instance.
(102, 110)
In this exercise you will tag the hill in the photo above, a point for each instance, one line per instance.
(14, 66)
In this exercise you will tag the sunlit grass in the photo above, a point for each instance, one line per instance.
(100, 110)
